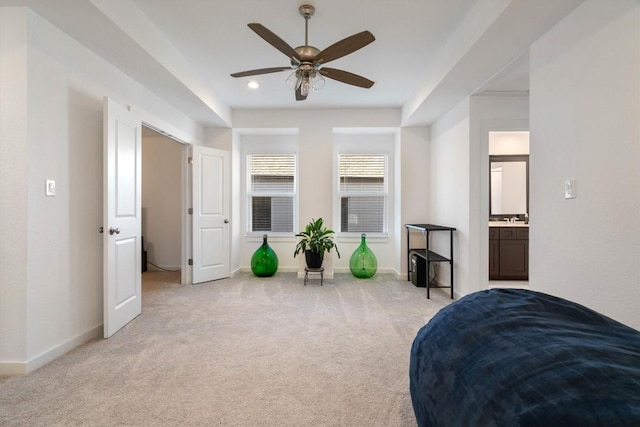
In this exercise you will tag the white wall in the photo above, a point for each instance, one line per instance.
(13, 187)
(503, 143)
(51, 128)
(585, 109)
(413, 188)
(162, 200)
(449, 192)
(317, 133)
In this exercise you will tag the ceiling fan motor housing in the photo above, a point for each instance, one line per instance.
(306, 53)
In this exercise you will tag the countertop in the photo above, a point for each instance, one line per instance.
(507, 224)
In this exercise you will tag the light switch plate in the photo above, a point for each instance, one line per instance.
(50, 187)
(570, 189)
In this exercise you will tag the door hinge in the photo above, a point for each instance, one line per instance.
(190, 211)
(190, 160)
(190, 261)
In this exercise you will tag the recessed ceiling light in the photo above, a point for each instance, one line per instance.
(253, 84)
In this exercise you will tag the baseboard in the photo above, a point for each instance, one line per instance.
(400, 276)
(22, 368)
(280, 270)
(152, 267)
(378, 271)
(327, 274)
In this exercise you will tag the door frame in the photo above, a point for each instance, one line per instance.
(185, 185)
(164, 128)
(487, 126)
(185, 194)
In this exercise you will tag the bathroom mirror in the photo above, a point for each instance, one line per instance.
(508, 186)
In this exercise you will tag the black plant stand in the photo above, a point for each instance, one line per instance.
(308, 270)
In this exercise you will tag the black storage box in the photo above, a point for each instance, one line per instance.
(418, 271)
(144, 256)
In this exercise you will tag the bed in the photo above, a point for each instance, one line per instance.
(513, 357)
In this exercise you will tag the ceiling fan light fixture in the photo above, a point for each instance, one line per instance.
(305, 81)
(294, 80)
(306, 87)
(253, 84)
(318, 81)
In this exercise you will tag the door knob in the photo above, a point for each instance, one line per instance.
(113, 231)
(226, 221)
(101, 229)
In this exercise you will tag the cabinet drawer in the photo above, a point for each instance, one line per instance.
(494, 233)
(514, 233)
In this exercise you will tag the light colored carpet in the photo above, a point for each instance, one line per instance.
(245, 351)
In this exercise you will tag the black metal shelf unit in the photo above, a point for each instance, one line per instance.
(428, 255)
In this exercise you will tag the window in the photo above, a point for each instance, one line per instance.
(363, 192)
(271, 191)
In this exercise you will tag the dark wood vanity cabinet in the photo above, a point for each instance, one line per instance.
(508, 253)
(494, 252)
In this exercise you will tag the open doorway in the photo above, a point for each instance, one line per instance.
(508, 209)
(162, 195)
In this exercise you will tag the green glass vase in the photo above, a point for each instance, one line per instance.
(264, 262)
(363, 263)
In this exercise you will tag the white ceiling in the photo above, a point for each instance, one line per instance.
(184, 50)
(407, 33)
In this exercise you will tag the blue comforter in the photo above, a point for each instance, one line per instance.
(508, 357)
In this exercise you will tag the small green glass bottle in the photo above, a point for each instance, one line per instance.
(363, 262)
(264, 262)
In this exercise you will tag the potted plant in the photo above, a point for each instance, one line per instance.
(315, 240)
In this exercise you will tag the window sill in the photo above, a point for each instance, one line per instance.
(272, 237)
(356, 237)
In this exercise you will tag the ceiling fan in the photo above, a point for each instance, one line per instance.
(308, 61)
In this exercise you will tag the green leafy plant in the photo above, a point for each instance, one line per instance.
(316, 238)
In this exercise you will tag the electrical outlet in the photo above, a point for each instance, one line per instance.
(50, 187)
(570, 189)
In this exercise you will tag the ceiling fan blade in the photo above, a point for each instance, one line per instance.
(274, 41)
(344, 47)
(260, 71)
(299, 95)
(346, 77)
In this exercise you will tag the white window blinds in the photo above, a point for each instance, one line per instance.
(271, 192)
(363, 192)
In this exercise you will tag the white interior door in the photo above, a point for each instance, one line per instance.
(122, 216)
(210, 181)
